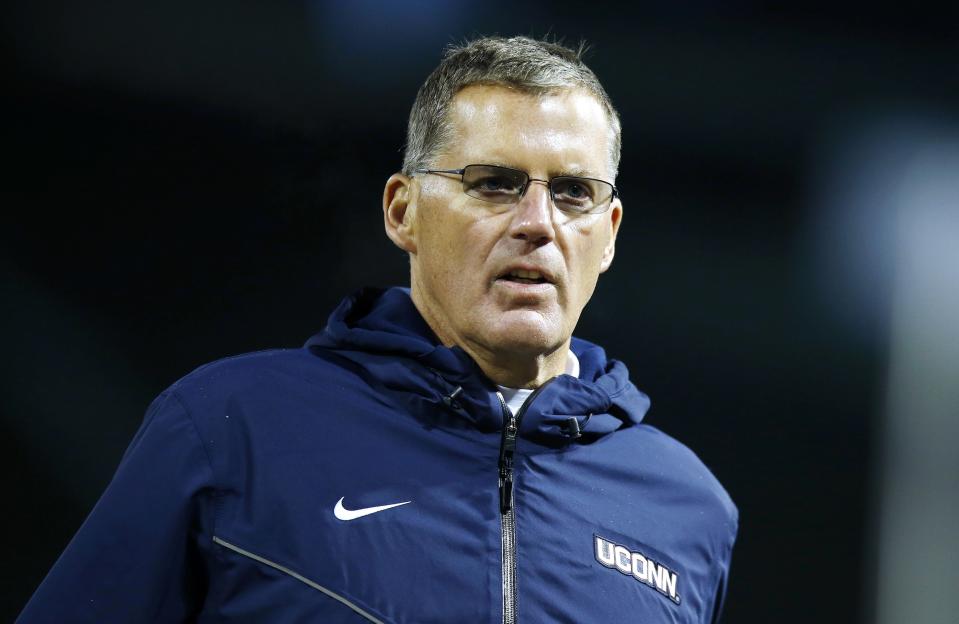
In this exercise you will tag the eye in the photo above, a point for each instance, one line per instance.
(493, 184)
(573, 190)
(576, 191)
(499, 185)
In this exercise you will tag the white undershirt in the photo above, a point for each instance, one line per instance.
(515, 397)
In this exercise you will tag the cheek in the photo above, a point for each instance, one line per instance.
(586, 241)
(439, 257)
(450, 251)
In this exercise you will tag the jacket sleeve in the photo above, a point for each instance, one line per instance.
(720, 598)
(137, 557)
(719, 601)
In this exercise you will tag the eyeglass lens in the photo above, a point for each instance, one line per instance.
(502, 185)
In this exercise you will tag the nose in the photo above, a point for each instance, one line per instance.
(533, 215)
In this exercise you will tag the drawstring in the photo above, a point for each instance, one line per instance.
(573, 428)
(450, 399)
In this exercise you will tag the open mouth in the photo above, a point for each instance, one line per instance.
(521, 276)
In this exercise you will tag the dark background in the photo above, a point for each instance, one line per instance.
(185, 181)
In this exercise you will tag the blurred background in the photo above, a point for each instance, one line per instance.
(186, 181)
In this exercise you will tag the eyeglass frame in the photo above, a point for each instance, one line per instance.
(530, 180)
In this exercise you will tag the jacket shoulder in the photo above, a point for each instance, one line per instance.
(249, 371)
(682, 463)
(260, 382)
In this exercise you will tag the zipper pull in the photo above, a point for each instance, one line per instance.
(506, 465)
(505, 492)
(509, 438)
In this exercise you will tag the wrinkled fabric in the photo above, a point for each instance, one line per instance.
(222, 509)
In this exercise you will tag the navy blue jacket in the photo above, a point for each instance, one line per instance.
(227, 505)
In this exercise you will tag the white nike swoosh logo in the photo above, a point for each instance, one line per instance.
(342, 513)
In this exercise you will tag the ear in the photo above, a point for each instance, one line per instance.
(616, 217)
(398, 210)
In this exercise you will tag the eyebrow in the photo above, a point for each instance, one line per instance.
(574, 172)
(582, 173)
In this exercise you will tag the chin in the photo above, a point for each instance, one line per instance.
(526, 331)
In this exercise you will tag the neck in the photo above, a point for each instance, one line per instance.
(513, 368)
(519, 370)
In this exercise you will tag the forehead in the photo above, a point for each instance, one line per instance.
(558, 132)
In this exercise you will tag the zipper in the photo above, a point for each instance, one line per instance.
(507, 449)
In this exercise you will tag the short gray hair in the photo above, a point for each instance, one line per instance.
(528, 65)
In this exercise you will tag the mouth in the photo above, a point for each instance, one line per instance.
(524, 276)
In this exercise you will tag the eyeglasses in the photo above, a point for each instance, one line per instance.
(502, 185)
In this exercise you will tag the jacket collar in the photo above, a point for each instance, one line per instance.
(382, 330)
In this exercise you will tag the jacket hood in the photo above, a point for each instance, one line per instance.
(383, 332)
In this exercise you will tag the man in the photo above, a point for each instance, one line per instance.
(446, 453)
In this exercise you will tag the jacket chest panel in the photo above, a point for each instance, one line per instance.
(379, 515)
(611, 547)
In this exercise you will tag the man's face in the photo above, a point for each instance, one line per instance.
(468, 251)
